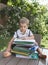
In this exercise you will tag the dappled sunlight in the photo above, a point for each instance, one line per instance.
(36, 13)
(44, 42)
(3, 49)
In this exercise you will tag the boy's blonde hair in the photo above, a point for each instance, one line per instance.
(24, 20)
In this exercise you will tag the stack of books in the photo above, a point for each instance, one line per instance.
(22, 49)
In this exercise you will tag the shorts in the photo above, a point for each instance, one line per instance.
(34, 47)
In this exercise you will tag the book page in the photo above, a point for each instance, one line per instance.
(24, 40)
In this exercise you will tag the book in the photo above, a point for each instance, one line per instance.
(24, 42)
(31, 56)
(21, 50)
(21, 53)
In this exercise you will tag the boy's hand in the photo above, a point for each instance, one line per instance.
(36, 43)
(24, 38)
(6, 54)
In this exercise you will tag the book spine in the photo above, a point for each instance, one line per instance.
(21, 49)
(17, 52)
(23, 42)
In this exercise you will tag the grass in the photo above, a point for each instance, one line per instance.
(4, 42)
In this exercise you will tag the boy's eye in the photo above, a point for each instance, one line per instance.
(24, 26)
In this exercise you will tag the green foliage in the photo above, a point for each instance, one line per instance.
(44, 42)
(37, 14)
(4, 42)
(34, 12)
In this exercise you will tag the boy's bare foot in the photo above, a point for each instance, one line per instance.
(7, 54)
(42, 56)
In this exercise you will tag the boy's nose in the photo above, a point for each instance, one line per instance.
(23, 28)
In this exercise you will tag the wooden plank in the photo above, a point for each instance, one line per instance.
(45, 51)
(4, 61)
(14, 61)
(42, 62)
(38, 38)
(33, 62)
(46, 61)
(23, 62)
(1, 56)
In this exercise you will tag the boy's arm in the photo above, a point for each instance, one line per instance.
(31, 37)
(10, 43)
(28, 38)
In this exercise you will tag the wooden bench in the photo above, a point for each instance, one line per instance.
(12, 60)
(38, 38)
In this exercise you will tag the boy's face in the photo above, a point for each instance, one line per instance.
(23, 27)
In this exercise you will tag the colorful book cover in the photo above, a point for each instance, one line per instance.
(21, 49)
(21, 53)
(31, 56)
(24, 42)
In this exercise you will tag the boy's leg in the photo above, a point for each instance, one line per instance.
(39, 51)
(42, 56)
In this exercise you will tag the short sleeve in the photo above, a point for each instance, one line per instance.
(30, 33)
(15, 35)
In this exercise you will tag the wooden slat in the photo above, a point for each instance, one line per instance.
(38, 38)
(14, 61)
(42, 62)
(23, 62)
(47, 61)
(1, 56)
(33, 62)
(4, 61)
